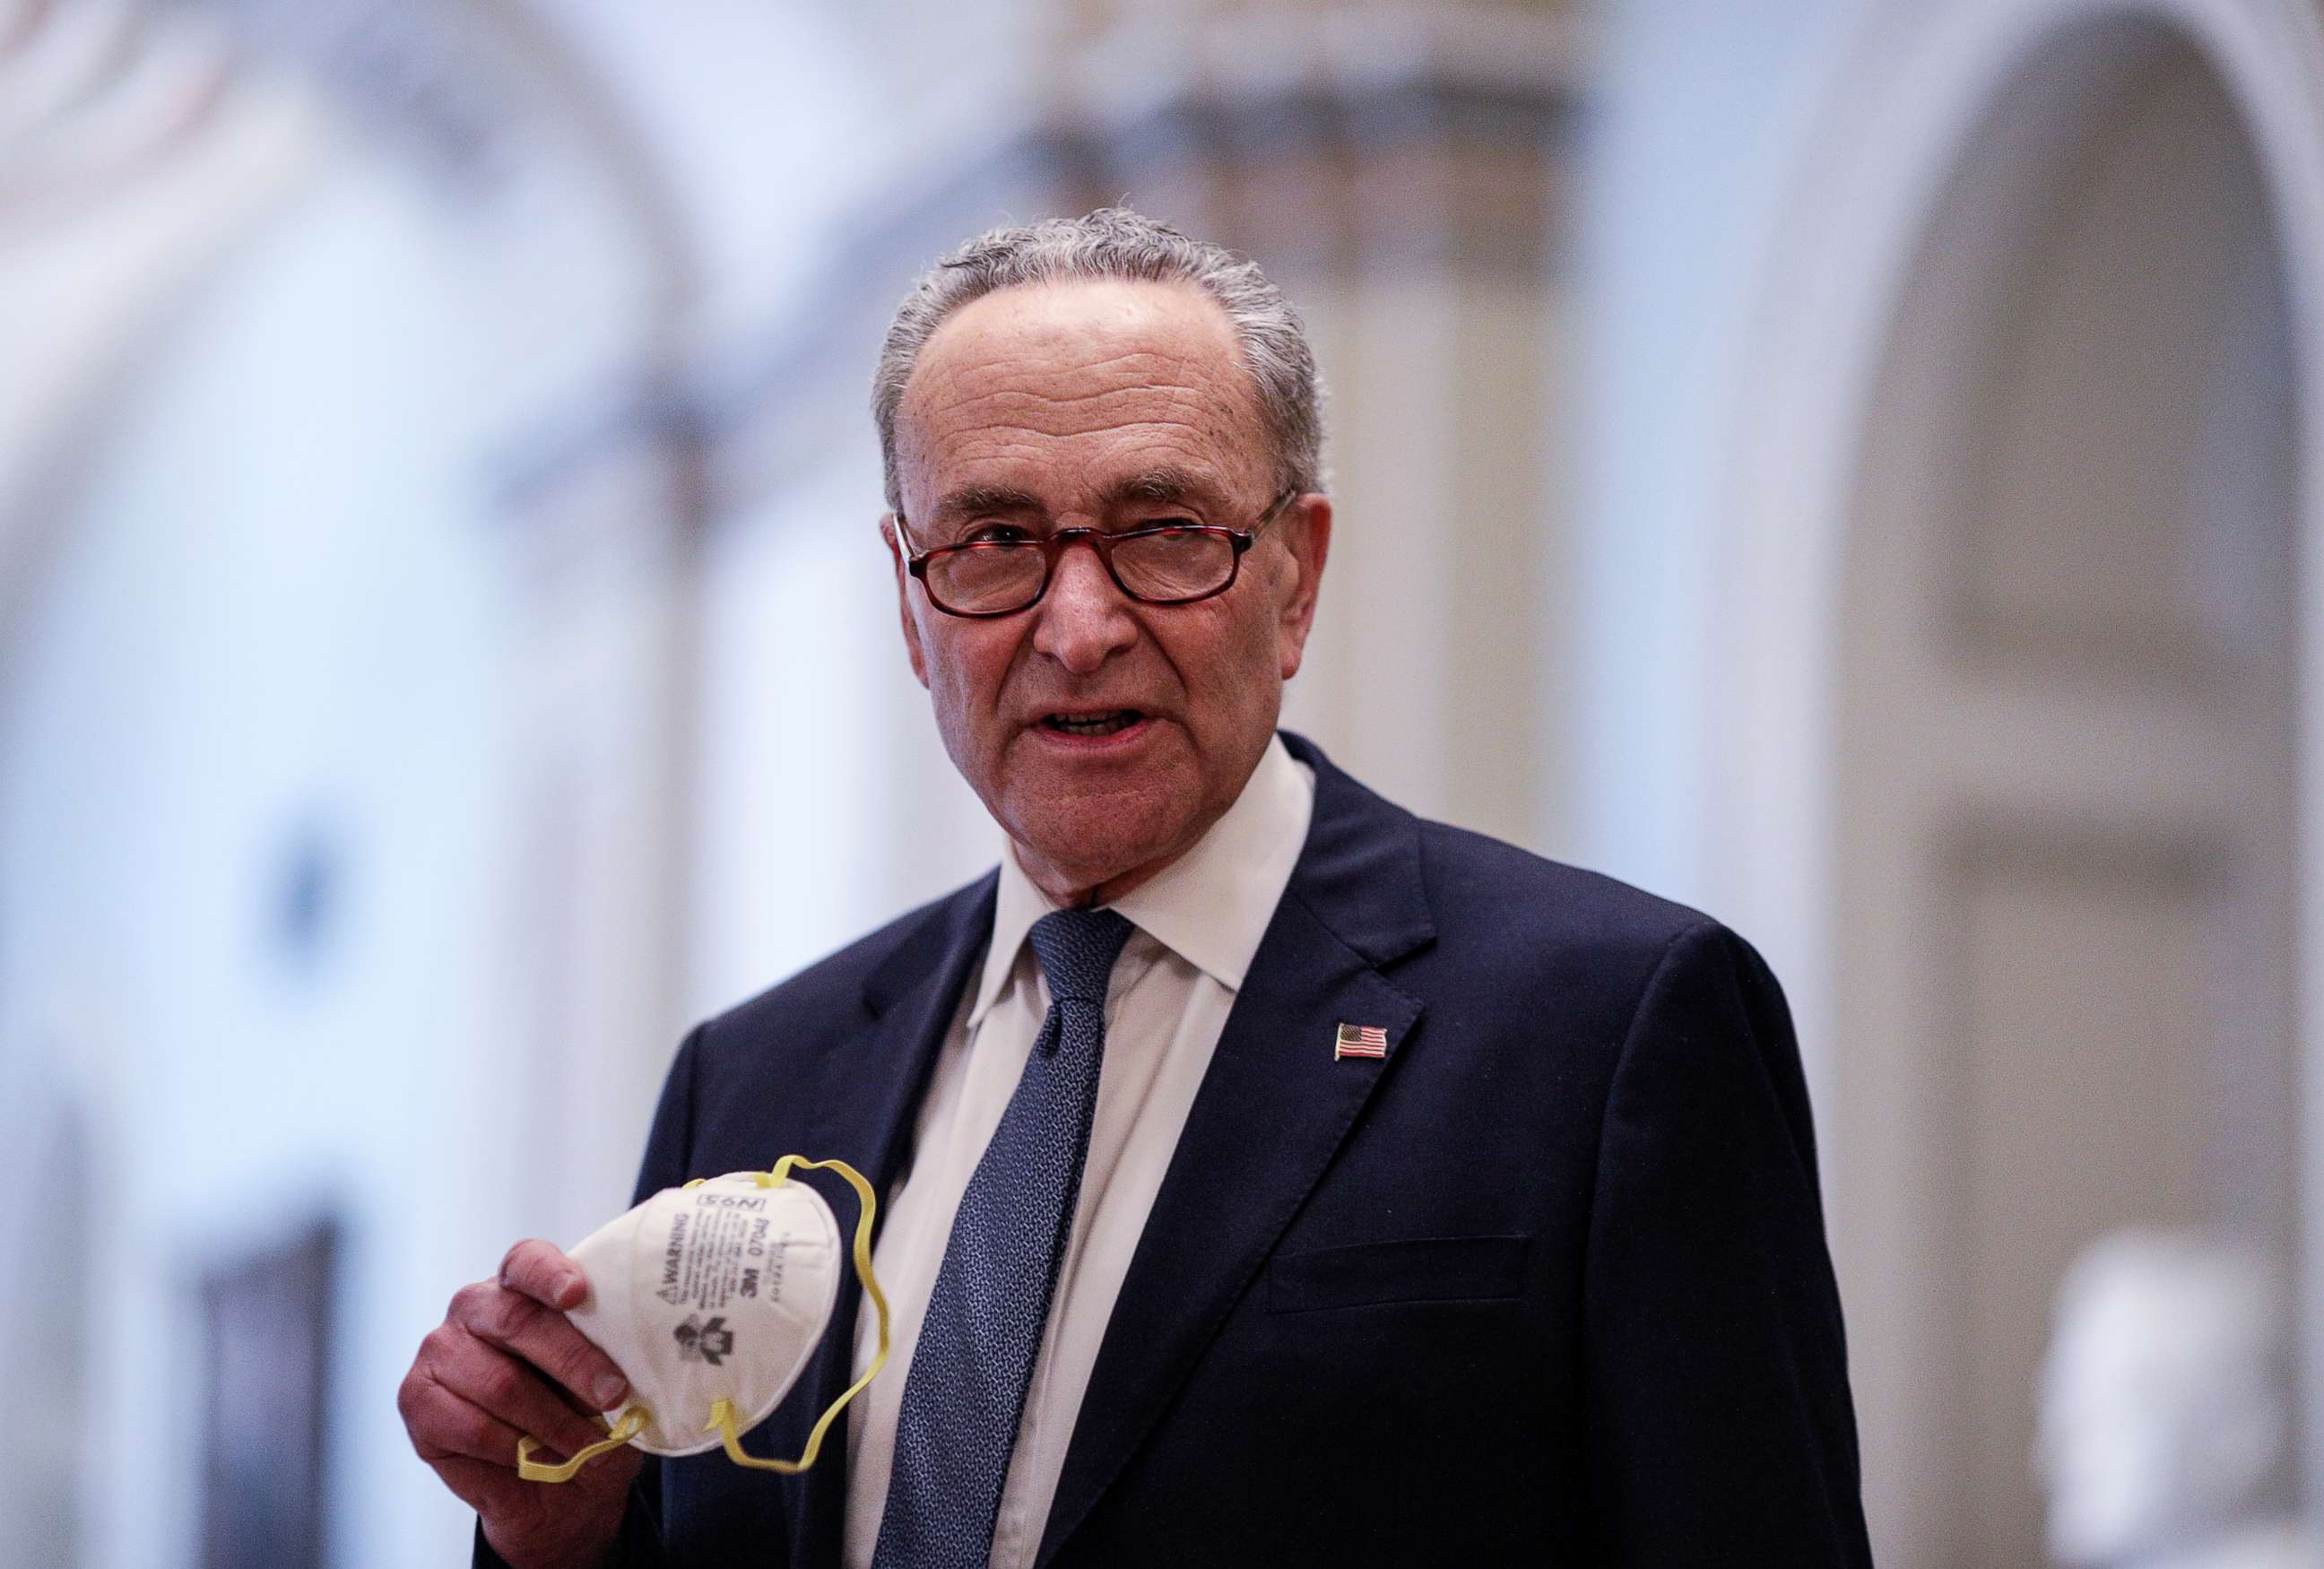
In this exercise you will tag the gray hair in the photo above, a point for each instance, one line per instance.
(1115, 243)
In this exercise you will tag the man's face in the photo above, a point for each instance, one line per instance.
(1107, 405)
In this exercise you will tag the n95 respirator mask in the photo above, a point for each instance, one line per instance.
(711, 1298)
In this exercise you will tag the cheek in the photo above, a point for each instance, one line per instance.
(966, 674)
(1269, 643)
(1239, 682)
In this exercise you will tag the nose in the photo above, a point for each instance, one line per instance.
(1085, 619)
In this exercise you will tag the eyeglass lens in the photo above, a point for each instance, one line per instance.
(1170, 565)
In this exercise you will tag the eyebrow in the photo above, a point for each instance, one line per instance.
(983, 500)
(1159, 487)
(1163, 485)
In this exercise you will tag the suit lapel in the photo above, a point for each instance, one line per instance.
(864, 1115)
(1273, 1108)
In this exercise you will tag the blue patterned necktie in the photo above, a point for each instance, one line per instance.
(957, 1427)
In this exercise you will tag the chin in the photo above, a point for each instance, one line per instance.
(1094, 839)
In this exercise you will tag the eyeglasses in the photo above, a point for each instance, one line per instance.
(1172, 563)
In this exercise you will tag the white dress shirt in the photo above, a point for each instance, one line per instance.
(1198, 921)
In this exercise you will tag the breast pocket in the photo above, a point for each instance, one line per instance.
(1412, 1270)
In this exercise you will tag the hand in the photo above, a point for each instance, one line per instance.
(506, 1362)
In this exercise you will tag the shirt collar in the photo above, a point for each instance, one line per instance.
(1210, 907)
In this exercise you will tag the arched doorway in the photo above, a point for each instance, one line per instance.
(2064, 882)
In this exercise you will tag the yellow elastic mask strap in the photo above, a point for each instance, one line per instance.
(632, 1423)
(722, 1412)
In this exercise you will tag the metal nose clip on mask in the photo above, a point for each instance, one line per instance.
(710, 1298)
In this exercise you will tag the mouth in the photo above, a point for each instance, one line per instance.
(1110, 723)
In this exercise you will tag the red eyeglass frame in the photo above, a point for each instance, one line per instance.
(915, 562)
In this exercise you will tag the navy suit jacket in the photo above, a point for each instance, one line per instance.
(1547, 1284)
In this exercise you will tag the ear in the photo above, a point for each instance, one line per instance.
(904, 598)
(1306, 531)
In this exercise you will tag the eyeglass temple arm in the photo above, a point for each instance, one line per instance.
(913, 555)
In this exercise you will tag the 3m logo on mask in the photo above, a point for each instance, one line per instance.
(698, 1341)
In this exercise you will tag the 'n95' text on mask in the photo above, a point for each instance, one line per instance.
(711, 1298)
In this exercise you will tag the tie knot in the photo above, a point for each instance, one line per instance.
(1077, 948)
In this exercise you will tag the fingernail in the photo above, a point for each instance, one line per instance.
(568, 1290)
(608, 1390)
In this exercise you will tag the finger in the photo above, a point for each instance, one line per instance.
(515, 1395)
(444, 1424)
(545, 1338)
(480, 1484)
(536, 1269)
(493, 1489)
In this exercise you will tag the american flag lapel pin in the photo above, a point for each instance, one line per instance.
(1360, 1040)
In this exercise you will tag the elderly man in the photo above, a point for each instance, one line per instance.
(1269, 1177)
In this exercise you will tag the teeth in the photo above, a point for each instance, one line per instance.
(1104, 724)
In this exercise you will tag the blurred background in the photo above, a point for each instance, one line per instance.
(1848, 464)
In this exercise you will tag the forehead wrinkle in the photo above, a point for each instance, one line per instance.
(1016, 334)
(969, 402)
(954, 384)
(990, 407)
(1178, 442)
(1042, 343)
(1166, 461)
